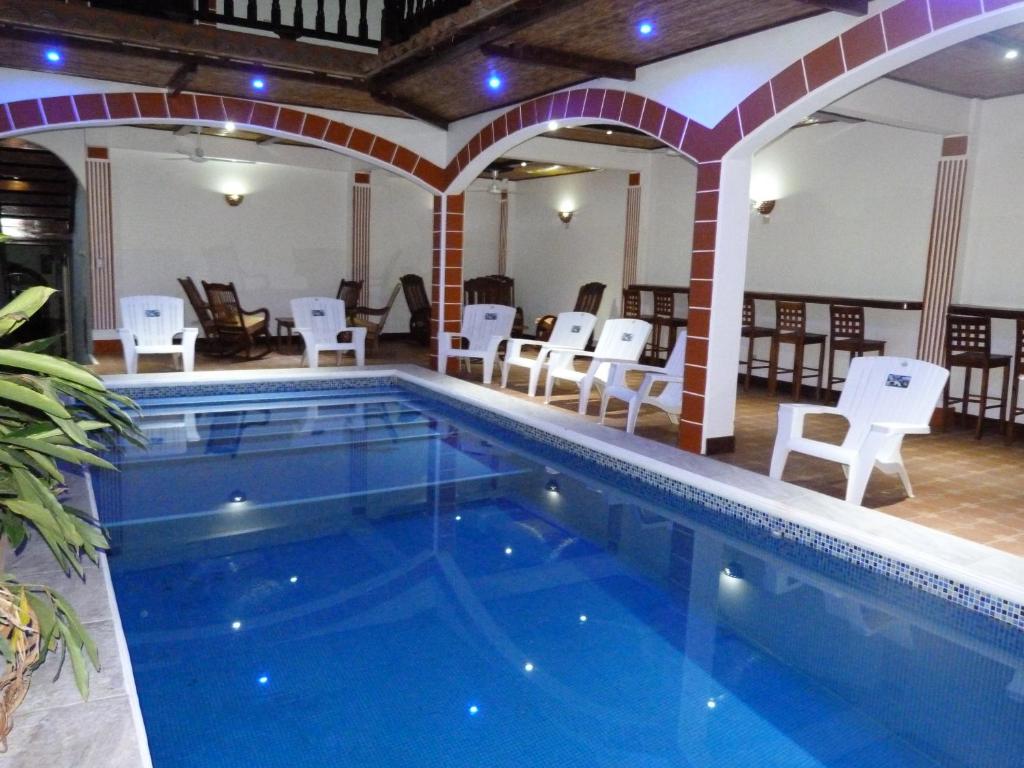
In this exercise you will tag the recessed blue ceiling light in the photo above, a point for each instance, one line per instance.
(54, 56)
(645, 28)
(494, 82)
(259, 83)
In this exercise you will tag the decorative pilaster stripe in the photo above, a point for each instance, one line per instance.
(101, 238)
(446, 274)
(361, 229)
(503, 234)
(632, 245)
(943, 247)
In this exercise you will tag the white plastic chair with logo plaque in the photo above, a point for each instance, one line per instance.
(621, 341)
(484, 327)
(884, 399)
(669, 398)
(571, 332)
(150, 324)
(320, 321)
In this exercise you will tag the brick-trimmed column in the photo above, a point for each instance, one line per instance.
(943, 247)
(101, 238)
(698, 327)
(632, 244)
(361, 228)
(446, 274)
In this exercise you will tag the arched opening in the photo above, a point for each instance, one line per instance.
(582, 200)
(316, 204)
(45, 242)
(892, 190)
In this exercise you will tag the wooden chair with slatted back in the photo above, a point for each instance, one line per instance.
(751, 331)
(846, 334)
(664, 320)
(969, 346)
(1015, 409)
(791, 328)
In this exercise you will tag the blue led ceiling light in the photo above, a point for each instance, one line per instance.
(54, 56)
(494, 82)
(259, 83)
(645, 28)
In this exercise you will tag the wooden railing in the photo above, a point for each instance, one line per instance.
(308, 18)
(402, 19)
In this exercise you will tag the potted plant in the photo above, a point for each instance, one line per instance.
(53, 413)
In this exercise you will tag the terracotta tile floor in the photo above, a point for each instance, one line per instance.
(971, 488)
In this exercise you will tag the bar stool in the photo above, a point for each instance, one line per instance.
(969, 345)
(631, 302)
(791, 328)
(751, 331)
(846, 334)
(1015, 408)
(664, 318)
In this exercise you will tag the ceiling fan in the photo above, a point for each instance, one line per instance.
(198, 155)
(497, 185)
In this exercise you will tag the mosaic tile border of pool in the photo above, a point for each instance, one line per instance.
(949, 589)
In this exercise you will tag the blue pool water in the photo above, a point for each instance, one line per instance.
(367, 578)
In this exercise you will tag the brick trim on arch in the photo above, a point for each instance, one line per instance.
(30, 115)
(603, 105)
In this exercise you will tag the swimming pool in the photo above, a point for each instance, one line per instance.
(370, 577)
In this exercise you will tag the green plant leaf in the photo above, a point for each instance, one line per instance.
(49, 366)
(19, 393)
(22, 307)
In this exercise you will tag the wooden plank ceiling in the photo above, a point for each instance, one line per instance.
(439, 74)
(977, 68)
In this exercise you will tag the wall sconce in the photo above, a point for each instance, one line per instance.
(764, 207)
(566, 216)
(234, 198)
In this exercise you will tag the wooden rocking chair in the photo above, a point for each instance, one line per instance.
(588, 300)
(419, 308)
(373, 320)
(238, 329)
(210, 343)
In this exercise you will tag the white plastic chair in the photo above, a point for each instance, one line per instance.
(883, 399)
(484, 327)
(319, 320)
(669, 399)
(150, 325)
(571, 332)
(621, 341)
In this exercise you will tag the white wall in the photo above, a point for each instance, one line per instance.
(550, 260)
(401, 227)
(290, 237)
(480, 240)
(992, 263)
(852, 219)
(666, 224)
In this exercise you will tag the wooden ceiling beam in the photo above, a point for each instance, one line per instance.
(73, 43)
(149, 35)
(851, 7)
(182, 77)
(469, 38)
(551, 57)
